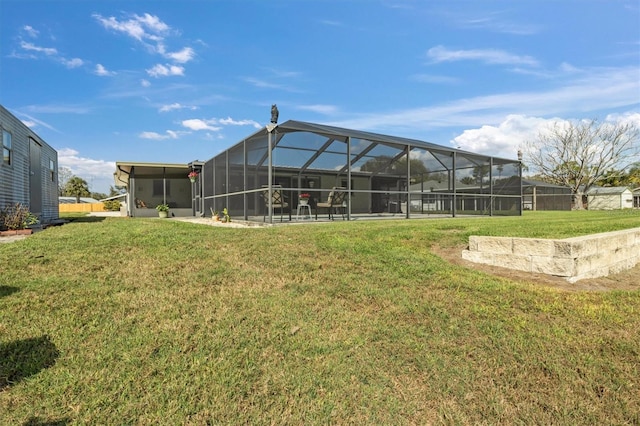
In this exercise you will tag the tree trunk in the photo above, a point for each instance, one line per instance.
(577, 201)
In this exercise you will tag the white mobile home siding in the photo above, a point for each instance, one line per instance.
(29, 179)
(611, 198)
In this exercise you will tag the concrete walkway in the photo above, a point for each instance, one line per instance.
(12, 238)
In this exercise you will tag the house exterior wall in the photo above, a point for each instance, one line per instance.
(618, 201)
(18, 178)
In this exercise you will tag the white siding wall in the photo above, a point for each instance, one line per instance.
(611, 201)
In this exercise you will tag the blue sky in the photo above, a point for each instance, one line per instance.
(181, 80)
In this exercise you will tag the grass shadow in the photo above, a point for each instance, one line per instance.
(23, 358)
(34, 421)
(6, 290)
(85, 219)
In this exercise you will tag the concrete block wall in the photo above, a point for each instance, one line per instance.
(575, 258)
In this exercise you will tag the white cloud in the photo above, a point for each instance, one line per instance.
(261, 83)
(510, 135)
(232, 122)
(183, 56)
(632, 118)
(31, 32)
(50, 52)
(145, 83)
(437, 79)
(72, 63)
(97, 173)
(331, 23)
(214, 124)
(598, 89)
(320, 109)
(170, 134)
(502, 140)
(33, 122)
(33, 48)
(145, 27)
(490, 56)
(176, 106)
(160, 70)
(198, 124)
(494, 22)
(102, 71)
(153, 22)
(152, 32)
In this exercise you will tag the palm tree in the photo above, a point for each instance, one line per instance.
(76, 187)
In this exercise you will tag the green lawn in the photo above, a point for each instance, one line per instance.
(148, 321)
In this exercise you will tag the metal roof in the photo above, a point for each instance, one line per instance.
(123, 169)
(610, 190)
(340, 132)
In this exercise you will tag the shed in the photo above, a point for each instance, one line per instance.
(28, 169)
(609, 198)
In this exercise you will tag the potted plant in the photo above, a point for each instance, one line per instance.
(163, 210)
(303, 199)
(225, 216)
(193, 175)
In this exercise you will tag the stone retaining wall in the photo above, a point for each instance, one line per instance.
(572, 258)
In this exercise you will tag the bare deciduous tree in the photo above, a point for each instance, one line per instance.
(64, 175)
(580, 154)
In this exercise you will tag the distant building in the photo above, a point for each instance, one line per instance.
(609, 198)
(636, 198)
(538, 195)
(72, 200)
(28, 169)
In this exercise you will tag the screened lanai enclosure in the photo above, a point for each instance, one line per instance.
(349, 174)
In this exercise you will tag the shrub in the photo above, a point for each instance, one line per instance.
(16, 216)
(111, 205)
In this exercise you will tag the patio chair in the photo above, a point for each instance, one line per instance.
(335, 201)
(278, 201)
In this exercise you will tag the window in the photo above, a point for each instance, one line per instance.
(6, 147)
(52, 170)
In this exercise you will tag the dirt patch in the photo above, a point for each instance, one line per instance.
(627, 280)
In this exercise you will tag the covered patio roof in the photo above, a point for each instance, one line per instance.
(124, 169)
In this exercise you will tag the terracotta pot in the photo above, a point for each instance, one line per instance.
(17, 232)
